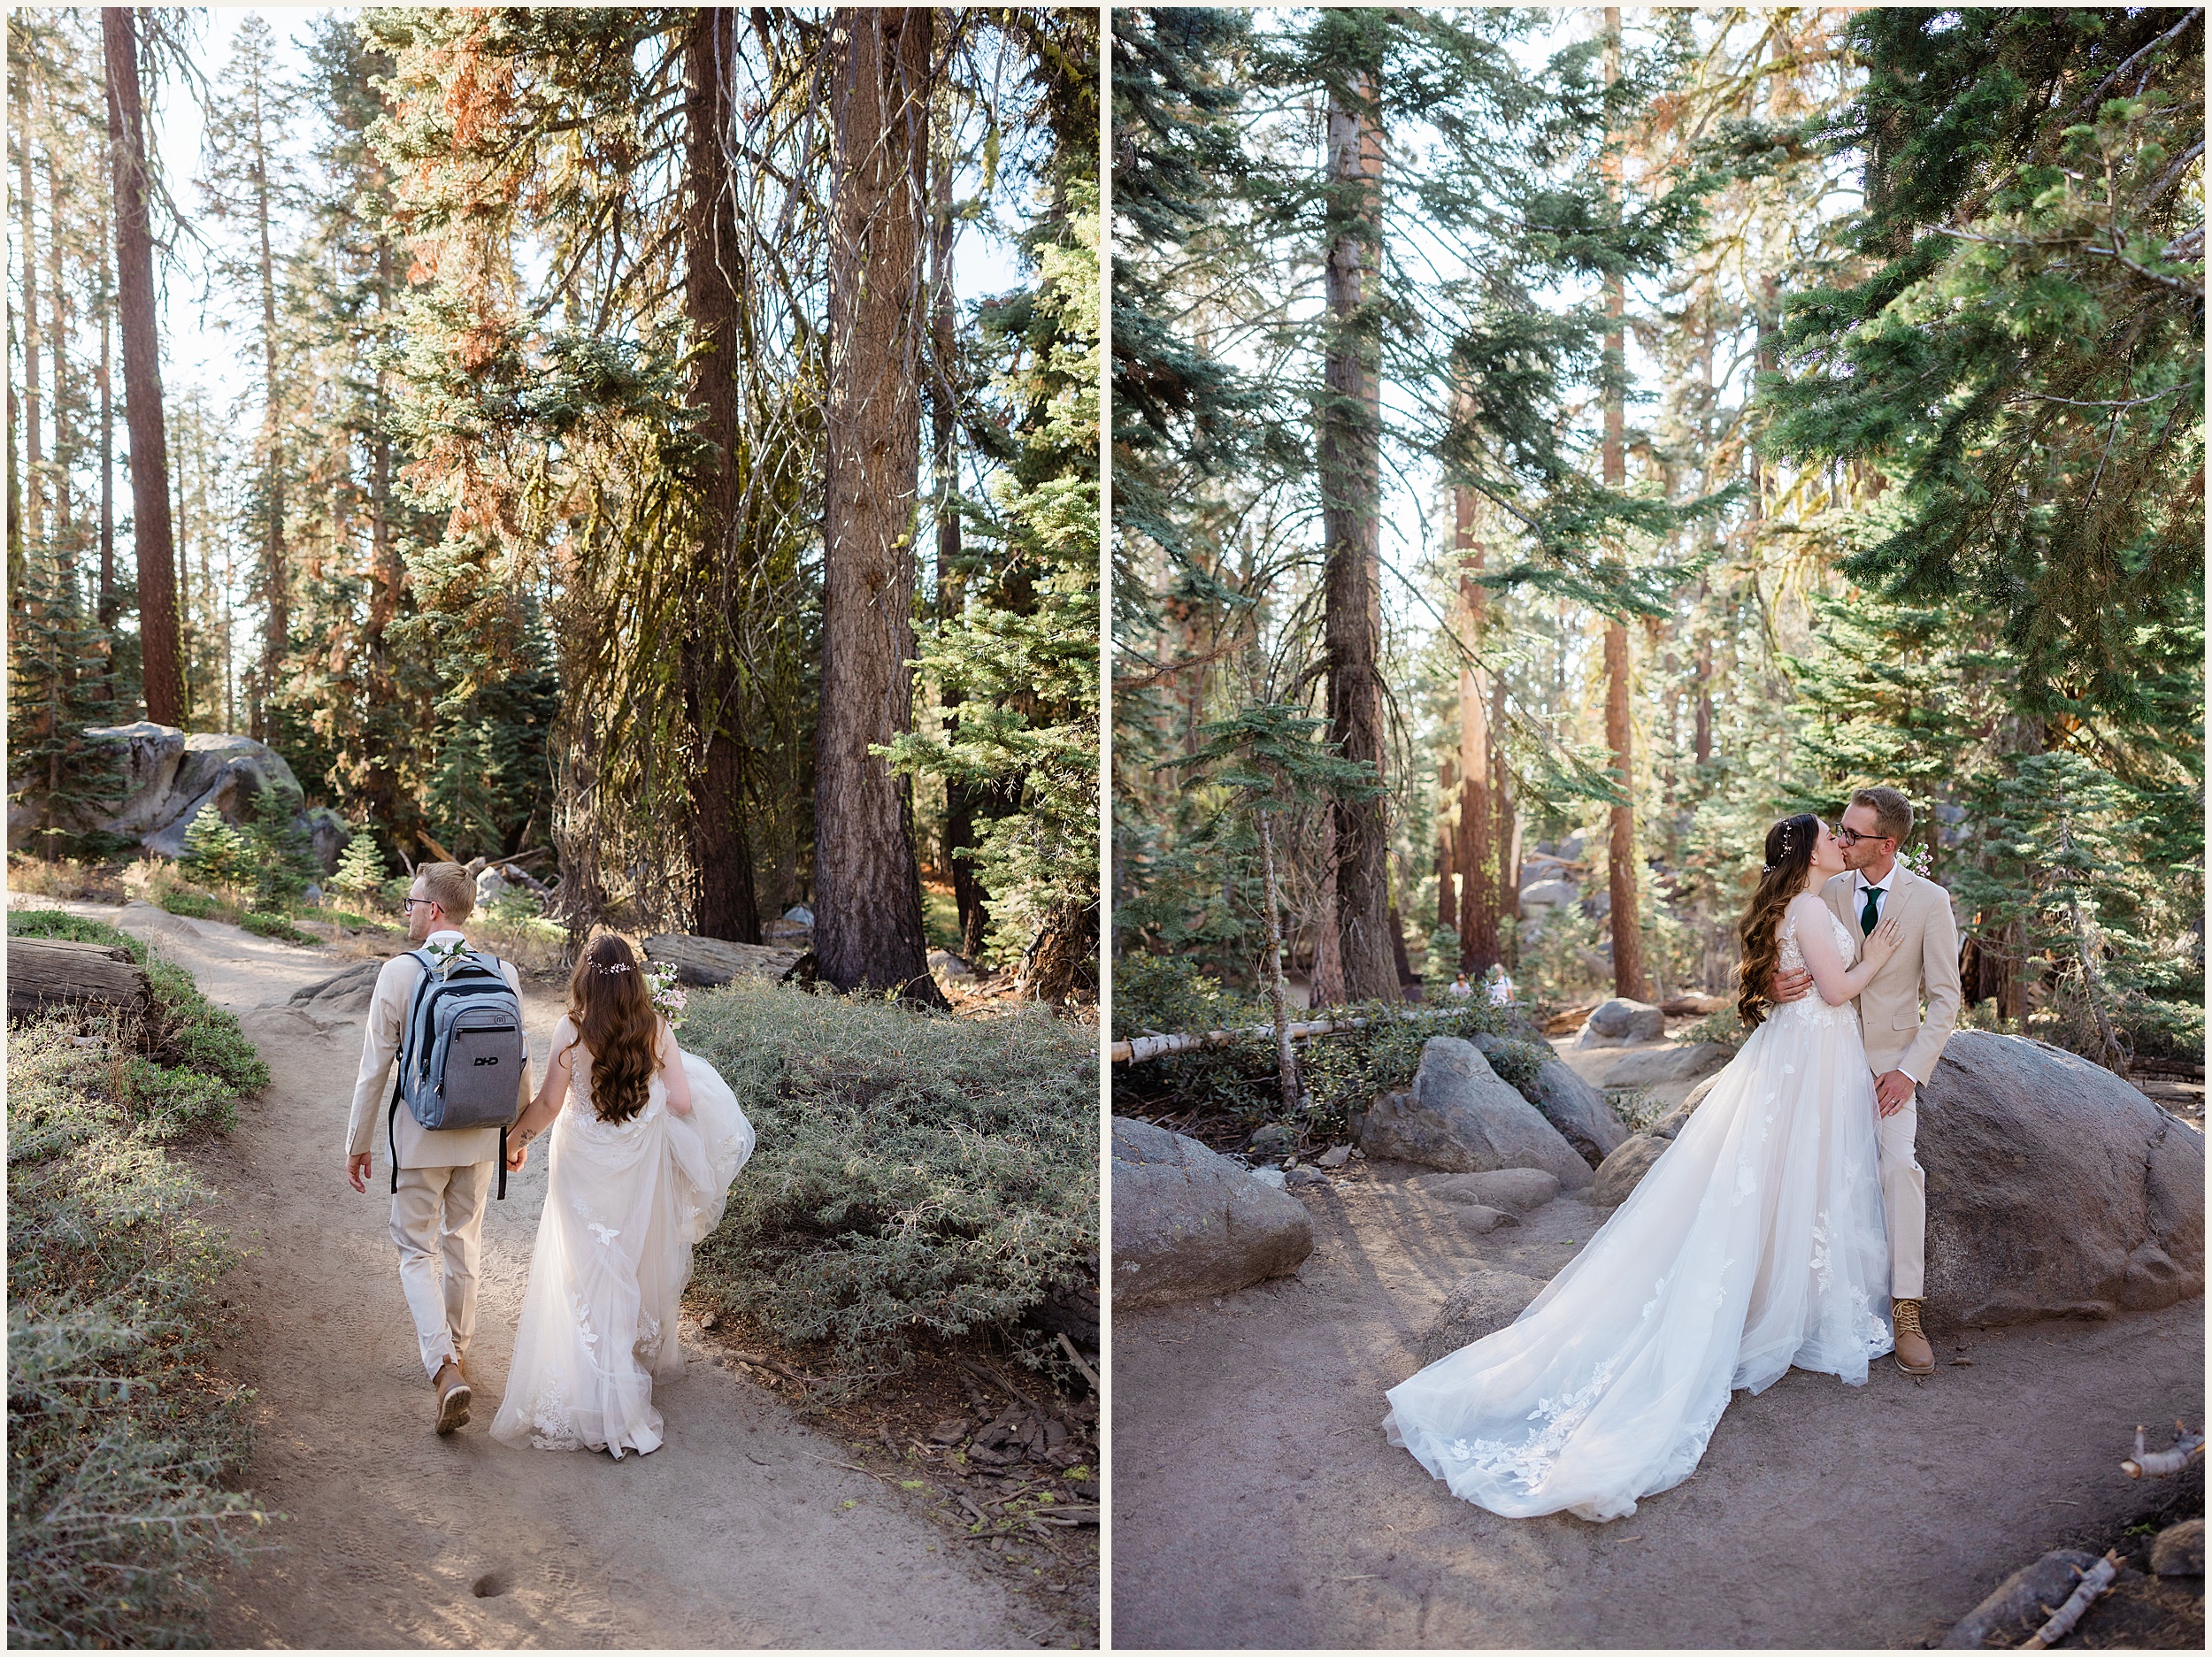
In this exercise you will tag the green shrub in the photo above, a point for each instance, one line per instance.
(1170, 995)
(276, 927)
(1517, 1064)
(215, 852)
(916, 1174)
(360, 871)
(284, 859)
(116, 1446)
(1725, 1027)
(194, 906)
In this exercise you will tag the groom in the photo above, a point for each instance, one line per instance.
(1902, 1043)
(444, 1174)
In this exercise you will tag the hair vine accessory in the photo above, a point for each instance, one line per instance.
(613, 966)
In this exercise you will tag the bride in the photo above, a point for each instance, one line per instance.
(1756, 1242)
(645, 1141)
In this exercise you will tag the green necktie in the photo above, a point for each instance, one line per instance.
(1869, 914)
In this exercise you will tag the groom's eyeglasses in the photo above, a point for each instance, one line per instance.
(406, 905)
(1851, 837)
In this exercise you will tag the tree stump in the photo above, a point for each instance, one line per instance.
(45, 974)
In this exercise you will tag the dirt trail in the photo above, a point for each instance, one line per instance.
(1258, 1504)
(740, 1531)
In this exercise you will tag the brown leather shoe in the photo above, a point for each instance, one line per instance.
(1915, 1355)
(454, 1397)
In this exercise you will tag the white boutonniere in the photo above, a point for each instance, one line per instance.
(444, 956)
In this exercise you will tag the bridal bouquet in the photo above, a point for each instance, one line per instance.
(669, 998)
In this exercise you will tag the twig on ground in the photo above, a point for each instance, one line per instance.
(1020, 1397)
(2095, 1581)
(774, 1368)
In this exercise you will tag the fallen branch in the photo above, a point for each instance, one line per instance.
(2095, 1581)
(2187, 1446)
(771, 1365)
(1076, 1358)
(1020, 1397)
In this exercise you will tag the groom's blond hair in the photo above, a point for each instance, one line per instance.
(1893, 812)
(449, 887)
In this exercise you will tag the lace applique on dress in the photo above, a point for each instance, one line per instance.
(1531, 1460)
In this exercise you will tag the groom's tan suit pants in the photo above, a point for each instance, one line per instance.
(1901, 1037)
(444, 1176)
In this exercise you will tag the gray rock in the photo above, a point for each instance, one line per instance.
(314, 893)
(1620, 1022)
(1188, 1222)
(340, 994)
(491, 885)
(1518, 1190)
(1459, 1117)
(1272, 1142)
(329, 833)
(1480, 1304)
(1619, 1174)
(2055, 1189)
(1300, 1177)
(2178, 1550)
(1658, 1066)
(169, 776)
(1271, 1176)
(1550, 895)
(1335, 1156)
(800, 914)
(945, 964)
(2017, 1607)
(1579, 1111)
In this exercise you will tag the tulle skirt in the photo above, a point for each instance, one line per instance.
(1755, 1243)
(624, 1204)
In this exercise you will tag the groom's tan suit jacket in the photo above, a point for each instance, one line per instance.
(1899, 1035)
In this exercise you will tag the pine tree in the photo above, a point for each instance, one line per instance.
(361, 869)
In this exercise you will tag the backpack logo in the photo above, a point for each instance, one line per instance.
(489, 1058)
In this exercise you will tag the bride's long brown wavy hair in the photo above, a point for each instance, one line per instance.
(612, 1007)
(1789, 854)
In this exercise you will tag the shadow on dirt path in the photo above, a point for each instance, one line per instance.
(740, 1531)
(1258, 1504)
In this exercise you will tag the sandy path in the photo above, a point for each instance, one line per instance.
(1258, 1504)
(740, 1531)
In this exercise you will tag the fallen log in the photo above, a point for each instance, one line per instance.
(46, 974)
(2146, 1463)
(1139, 1048)
(2094, 1581)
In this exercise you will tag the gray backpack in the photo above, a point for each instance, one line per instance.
(460, 1052)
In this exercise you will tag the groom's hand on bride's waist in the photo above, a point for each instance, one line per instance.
(357, 1171)
(1787, 986)
(1892, 1090)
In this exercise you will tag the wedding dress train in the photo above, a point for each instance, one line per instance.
(624, 1204)
(1755, 1243)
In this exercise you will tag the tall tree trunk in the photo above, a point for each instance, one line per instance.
(1479, 949)
(1326, 986)
(67, 433)
(34, 456)
(721, 849)
(388, 576)
(1277, 992)
(969, 898)
(276, 574)
(107, 476)
(1505, 825)
(1351, 526)
(867, 889)
(1620, 853)
(151, 527)
(1447, 864)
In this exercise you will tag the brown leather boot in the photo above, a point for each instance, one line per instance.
(1915, 1355)
(454, 1397)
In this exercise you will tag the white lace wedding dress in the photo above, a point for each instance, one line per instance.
(1754, 1243)
(624, 1203)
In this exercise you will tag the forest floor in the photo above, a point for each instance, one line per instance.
(1259, 1504)
(751, 1527)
